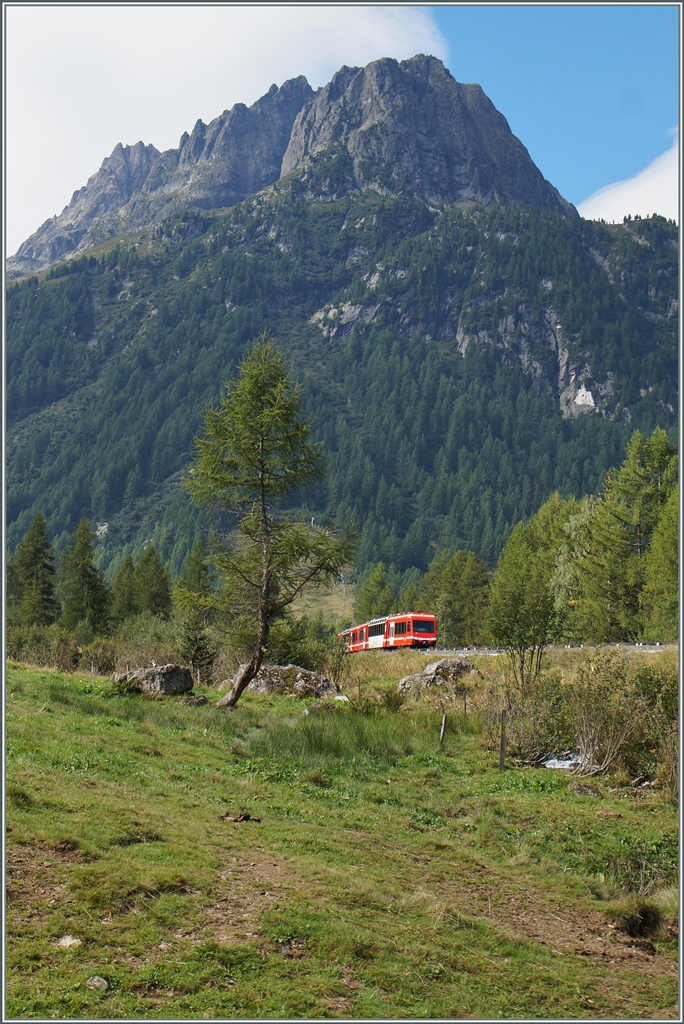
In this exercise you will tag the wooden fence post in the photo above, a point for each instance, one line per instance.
(502, 748)
(441, 731)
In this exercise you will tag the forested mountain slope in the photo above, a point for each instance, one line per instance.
(460, 364)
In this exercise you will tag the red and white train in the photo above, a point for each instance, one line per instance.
(408, 629)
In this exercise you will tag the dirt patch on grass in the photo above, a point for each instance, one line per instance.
(524, 908)
(247, 887)
(37, 881)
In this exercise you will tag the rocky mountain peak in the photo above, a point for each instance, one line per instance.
(410, 128)
(402, 128)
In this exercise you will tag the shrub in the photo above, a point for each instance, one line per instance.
(606, 711)
(636, 915)
(44, 645)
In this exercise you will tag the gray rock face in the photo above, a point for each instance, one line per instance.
(107, 191)
(401, 128)
(289, 679)
(171, 679)
(449, 672)
(409, 128)
(218, 165)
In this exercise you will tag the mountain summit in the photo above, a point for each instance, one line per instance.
(403, 128)
(409, 128)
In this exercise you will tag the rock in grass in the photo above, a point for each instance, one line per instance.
(170, 679)
(447, 672)
(194, 701)
(584, 789)
(97, 983)
(288, 679)
(69, 942)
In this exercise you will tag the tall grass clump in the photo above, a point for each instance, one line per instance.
(315, 740)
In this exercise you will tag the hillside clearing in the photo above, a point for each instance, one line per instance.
(401, 880)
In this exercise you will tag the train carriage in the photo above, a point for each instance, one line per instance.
(387, 632)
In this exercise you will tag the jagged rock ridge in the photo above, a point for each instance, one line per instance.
(410, 128)
(218, 165)
(400, 128)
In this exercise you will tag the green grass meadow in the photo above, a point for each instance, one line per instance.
(388, 876)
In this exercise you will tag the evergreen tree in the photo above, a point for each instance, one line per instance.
(522, 612)
(195, 644)
(195, 585)
(31, 578)
(124, 598)
(375, 596)
(152, 584)
(609, 577)
(661, 593)
(461, 600)
(82, 590)
(257, 451)
(614, 541)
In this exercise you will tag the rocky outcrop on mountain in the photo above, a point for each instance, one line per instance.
(107, 191)
(218, 165)
(409, 128)
(401, 128)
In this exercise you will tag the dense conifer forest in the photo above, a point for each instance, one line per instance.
(436, 346)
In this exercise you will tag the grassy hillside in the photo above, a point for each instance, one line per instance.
(386, 877)
(427, 339)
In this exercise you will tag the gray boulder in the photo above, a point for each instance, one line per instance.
(449, 673)
(171, 679)
(288, 679)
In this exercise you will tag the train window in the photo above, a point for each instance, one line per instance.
(353, 638)
(400, 627)
(423, 626)
(377, 630)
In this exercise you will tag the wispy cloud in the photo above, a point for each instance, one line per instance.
(653, 190)
(82, 78)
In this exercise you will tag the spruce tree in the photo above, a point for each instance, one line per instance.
(661, 593)
(194, 587)
(31, 578)
(152, 584)
(522, 613)
(461, 600)
(375, 595)
(82, 590)
(124, 599)
(195, 644)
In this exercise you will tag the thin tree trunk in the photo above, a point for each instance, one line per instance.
(248, 673)
(241, 682)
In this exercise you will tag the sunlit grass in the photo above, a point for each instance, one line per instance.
(377, 883)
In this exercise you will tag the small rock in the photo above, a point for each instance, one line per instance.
(195, 701)
(165, 945)
(69, 942)
(584, 789)
(98, 983)
(342, 696)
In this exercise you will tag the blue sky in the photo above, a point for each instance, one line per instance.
(590, 90)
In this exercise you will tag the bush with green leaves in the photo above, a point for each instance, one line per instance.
(43, 645)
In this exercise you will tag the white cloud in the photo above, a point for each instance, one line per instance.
(82, 78)
(653, 190)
